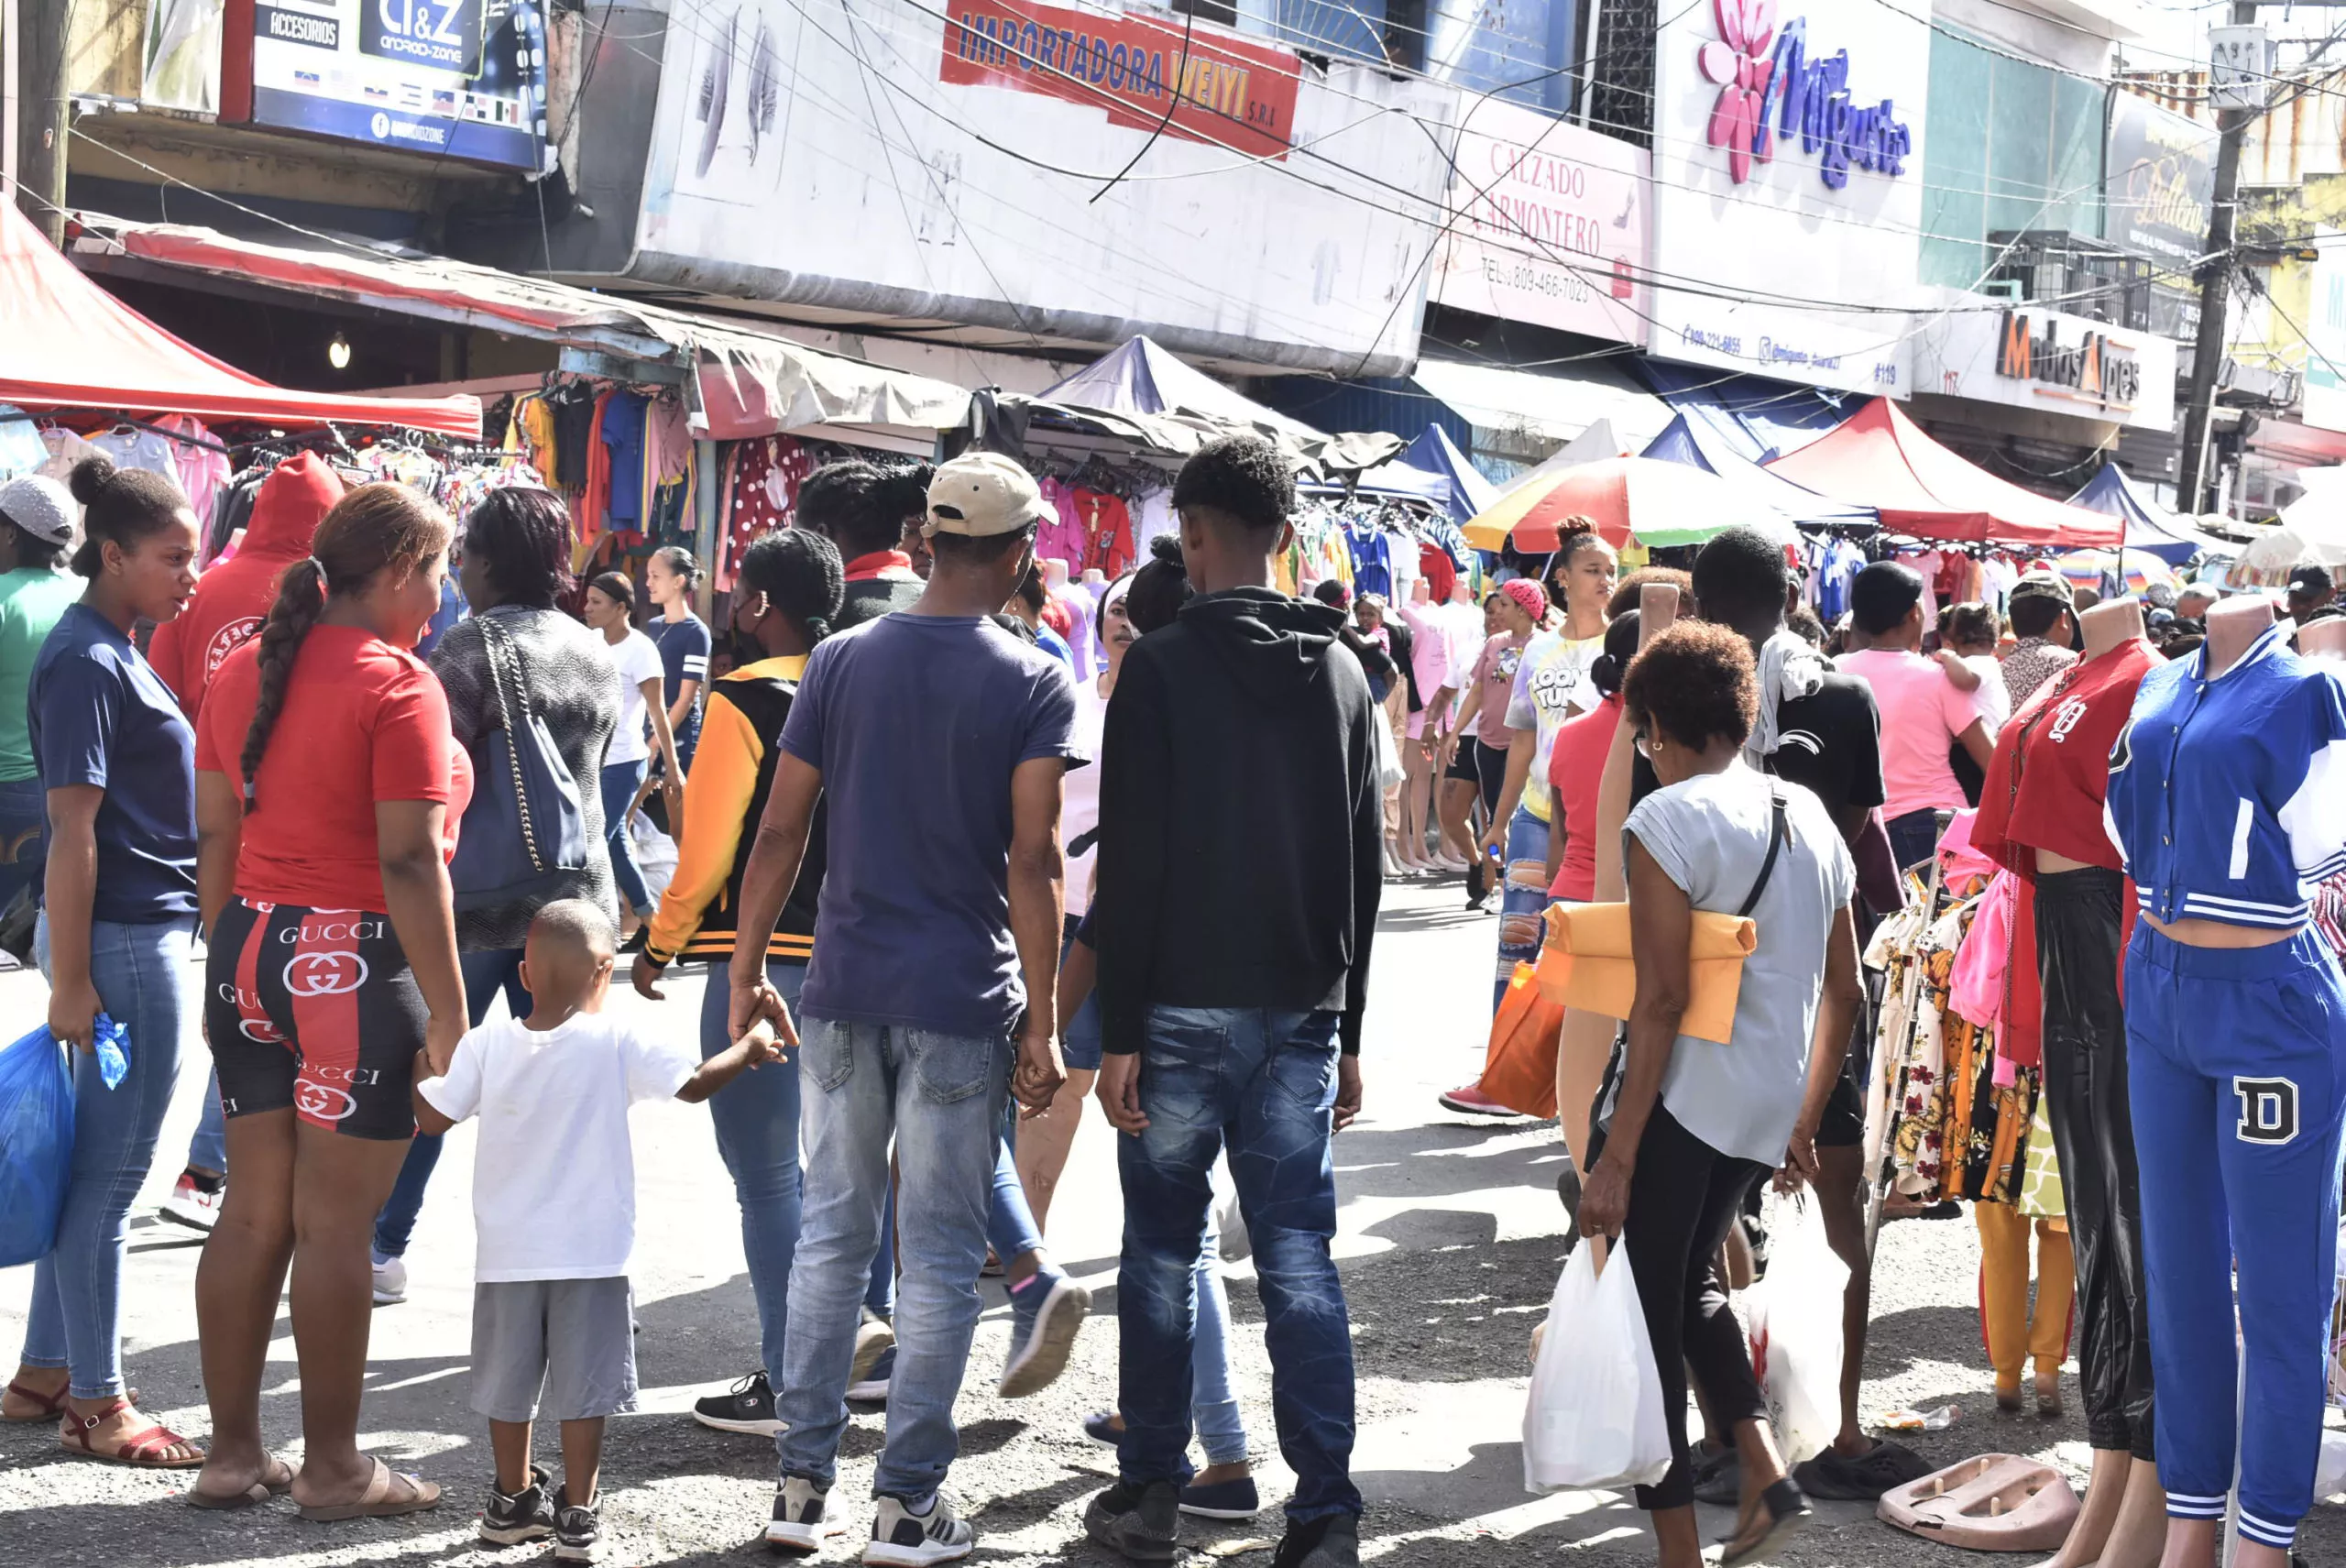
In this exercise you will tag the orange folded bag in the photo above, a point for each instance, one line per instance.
(1585, 963)
(1520, 1070)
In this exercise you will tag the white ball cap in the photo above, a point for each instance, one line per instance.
(982, 493)
(40, 506)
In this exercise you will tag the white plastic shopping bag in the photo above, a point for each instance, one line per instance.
(1795, 1318)
(1595, 1417)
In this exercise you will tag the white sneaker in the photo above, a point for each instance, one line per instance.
(390, 1281)
(797, 1524)
(904, 1538)
(192, 1206)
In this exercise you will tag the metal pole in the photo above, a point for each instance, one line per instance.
(2215, 286)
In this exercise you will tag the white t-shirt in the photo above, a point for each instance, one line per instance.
(553, 1176)
(1709, 835)
(1079, 803)
(638, 658)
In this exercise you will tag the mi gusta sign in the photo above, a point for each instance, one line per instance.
(1772, 90)
(2093, 369)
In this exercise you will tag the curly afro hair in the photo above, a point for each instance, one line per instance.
(1242, 477)
(1695, 683)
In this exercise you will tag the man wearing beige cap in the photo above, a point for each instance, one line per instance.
(939, 740)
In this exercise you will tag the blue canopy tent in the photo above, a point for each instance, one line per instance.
(1393, 479)
(1697, 443)
(1468, 491)
(1759, 419)
(2151, 529)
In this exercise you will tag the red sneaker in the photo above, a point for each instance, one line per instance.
(1471, 1101)
(192, 1206)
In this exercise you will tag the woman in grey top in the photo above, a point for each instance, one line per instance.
(514, 560)
(1696, 1122)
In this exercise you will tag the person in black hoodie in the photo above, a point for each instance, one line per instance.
(1240, 857)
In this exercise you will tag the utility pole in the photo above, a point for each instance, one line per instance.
(2214, 285)
(41, 112)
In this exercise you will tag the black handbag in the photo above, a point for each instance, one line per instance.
(1608, 1089)
(525, 831)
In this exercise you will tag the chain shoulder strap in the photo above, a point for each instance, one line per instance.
(495, 640)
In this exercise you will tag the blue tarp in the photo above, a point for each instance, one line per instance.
(1761, 418)
(1698, 443)
(2149, 528)
(1434, 451)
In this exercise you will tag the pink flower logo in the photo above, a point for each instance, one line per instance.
(1741, 65)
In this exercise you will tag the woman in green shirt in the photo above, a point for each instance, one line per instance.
(36, 530)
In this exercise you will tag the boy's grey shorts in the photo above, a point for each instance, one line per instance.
(571, 1340)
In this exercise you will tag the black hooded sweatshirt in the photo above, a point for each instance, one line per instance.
(1242, 821)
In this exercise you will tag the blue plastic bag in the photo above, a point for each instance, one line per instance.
(37, 1135)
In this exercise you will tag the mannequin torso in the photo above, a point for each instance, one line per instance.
(2104, 627)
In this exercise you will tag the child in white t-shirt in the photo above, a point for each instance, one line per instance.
(554, 1207)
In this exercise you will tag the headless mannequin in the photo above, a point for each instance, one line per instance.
(2323, 640)
(2122, 1522)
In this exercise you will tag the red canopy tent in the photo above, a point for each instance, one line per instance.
(65, 342)
(1877, 459)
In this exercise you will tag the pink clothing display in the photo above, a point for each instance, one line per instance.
(1428, 659)
(1922, 713)
(1061, 537)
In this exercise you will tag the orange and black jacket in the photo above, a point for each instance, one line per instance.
(724, 798)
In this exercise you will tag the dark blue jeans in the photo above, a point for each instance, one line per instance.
(620, 783)
(1265, 1084)
(486, 974)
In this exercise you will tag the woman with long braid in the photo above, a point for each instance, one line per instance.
(328, 787)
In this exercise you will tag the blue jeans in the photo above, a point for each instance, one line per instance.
(23, 837)
(1523, 898)
(757, 1136)
(1266, 1082)
(1213, 1404)
(1913, 838)
(146, 982)
(1079, 1044)
(939, 1097)
(485, 974)
(620, 780)
(208, 1150)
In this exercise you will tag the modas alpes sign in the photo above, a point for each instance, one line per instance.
(2090, 369)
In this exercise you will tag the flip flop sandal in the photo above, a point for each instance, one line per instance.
(51, 1405)
(1786, 1511)
(376, 1502)
(259, 1491)
(147, 1450)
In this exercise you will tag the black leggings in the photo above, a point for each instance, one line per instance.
(1683, 1199)
(2093, 1133)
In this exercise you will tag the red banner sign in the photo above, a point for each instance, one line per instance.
(1238, 95)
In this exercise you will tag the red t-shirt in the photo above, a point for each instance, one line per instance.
(363, 721)
(2051, 770)
(1575, 771)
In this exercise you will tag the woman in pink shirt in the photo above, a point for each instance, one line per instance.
(1482, 728)
(1923, 714)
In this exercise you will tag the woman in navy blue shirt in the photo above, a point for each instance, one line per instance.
(117, 763)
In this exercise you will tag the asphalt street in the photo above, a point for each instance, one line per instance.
(1450, 1240)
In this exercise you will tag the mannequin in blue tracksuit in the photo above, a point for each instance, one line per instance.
(2228, 798)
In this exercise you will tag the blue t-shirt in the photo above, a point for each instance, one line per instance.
(916, 723)
(1051, 642)
(684, 656)
(101, 716)
(451, 611)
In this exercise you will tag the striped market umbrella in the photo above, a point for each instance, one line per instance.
(2091, 568)
(1642, 498)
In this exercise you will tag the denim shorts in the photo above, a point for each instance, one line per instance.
(1079, 1038)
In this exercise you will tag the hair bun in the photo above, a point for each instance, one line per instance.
(90, 478)
(1167, 547)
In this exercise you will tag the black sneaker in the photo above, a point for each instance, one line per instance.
(525, 1515)
(577, 1528)
(747, 1407)
(797, 1524)
(905, 1537)
(1332, 1540)
(1143, 1523)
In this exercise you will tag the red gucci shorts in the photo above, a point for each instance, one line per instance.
(315, 1009)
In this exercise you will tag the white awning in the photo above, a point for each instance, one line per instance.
(1545, 406)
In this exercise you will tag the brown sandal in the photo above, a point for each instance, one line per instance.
(376, 1502)
(259, 1491)
(51, 1405)
(148, 1450)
